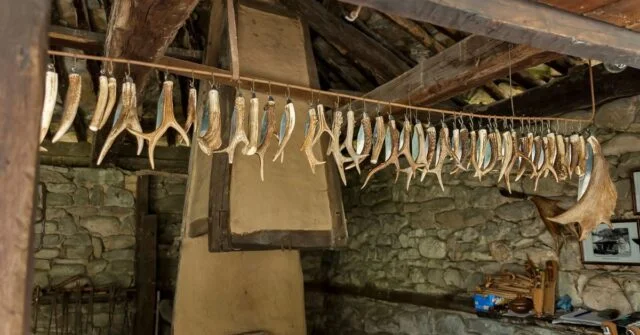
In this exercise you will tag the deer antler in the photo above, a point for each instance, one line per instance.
(165, 121)
(599, 200)
(71, 102)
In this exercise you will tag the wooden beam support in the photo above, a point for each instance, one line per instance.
(142, 30)
(146, 260)
(523, 22)
(168, 159)
(341, 66)
(94, 42)
(569, 93)
(470, 63)
(22, 64)
(139, 30)
(363, 49)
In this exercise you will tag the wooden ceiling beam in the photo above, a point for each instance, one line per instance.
(142, 30)
(523, 22)
(384, 64)
(568, 93)
(94, 42)
(470, 63)
(167, 159)
(139, 30)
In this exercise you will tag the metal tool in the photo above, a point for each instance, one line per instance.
(112, 305)
(89, 321)
(77, 325)
(36, 305)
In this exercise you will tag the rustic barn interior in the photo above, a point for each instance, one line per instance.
(455, 167)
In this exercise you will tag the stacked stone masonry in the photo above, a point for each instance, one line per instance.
(436, 242)
(89, 230)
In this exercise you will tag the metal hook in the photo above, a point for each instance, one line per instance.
(353, 15)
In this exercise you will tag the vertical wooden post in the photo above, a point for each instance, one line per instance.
(233, 39)
(23, 26)
(146, 231)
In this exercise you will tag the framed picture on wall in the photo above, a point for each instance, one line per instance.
(635, 187)
(618, 245)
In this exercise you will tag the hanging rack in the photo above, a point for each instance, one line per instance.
(289, 87)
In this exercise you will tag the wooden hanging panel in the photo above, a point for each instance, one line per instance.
(292, 207)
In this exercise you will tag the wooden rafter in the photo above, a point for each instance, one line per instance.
(94, 42)
(384, 64)
(140, 30)
(568, 93)
(523, 22)
(469, 63)
(167, 159)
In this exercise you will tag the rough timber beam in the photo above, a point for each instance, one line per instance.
(569, 93)
(94, 42)
(140, 30)
(523, 22)
(470, 63)
(22, 64)
(384, 64)
(143, 29)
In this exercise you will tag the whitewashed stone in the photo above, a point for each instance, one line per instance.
(453, 277)
(77, 240)
(85, 176)
(416, 276)
(41, 278)
(42, 264)
(97, 247)
(101, 225)
(119, 254)
(59, 199)
(65, 271)
(47, 253)
(500, 251)
(78, 252)
(547, 239)
(449, 324)
(96, 266)
(61, 187)
(432, 248)
(621, 144)
(570, 259)
(603, 292)
(118, 242)
(81, 197)
(48, 175)
(617, 114)
(516, 211)
(118, 197)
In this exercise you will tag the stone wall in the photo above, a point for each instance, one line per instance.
(89, 230)
(431, 241)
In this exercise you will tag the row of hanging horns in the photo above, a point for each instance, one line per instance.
(224, 76)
